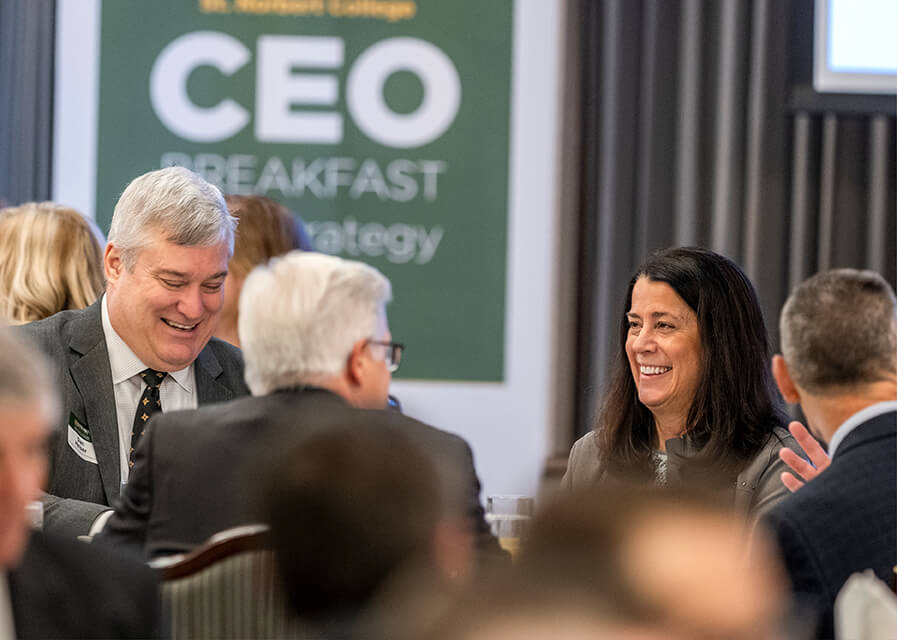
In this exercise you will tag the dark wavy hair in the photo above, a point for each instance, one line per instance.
(736, 405)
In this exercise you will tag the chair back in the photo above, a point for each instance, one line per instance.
(226, 588)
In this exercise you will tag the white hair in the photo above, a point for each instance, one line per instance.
(189, 211)
(26, 377)
(301, 314)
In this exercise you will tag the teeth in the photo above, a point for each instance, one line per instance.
(185, 327)
(650, 371)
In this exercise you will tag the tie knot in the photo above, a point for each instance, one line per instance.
(152, 378)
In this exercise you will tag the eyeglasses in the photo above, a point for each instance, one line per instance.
(393, 353)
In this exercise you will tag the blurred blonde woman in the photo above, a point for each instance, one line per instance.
(51, 259)
(266, 230)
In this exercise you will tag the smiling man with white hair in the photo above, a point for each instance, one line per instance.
(145, 346)
(318, 353)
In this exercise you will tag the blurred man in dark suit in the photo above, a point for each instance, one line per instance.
(144, 346)
(318, 352)
(52, 587)
(839, 361)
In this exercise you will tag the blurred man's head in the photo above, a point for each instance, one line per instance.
(166, 260)
(351, 508)
(839, 341)
(674, 560)
(525, 607)
(313, 319)
(702, 573)
(28, 404)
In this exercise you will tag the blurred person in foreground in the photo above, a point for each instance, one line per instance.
(525, 616)
(690, 399)
(54, 587)
(318, 352)
(52, 261)
(655, 563)
(266, 230)
(526, 606)
(369, 539)
(839, 361)
(145, 346)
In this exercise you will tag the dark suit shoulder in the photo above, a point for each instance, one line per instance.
(283, 415)
(881, 429)
(419, 429)
(230, 411)
(50, 331)
(857, 476)
(80, 330)
(65, 588)
(102, 566)
(54, 323)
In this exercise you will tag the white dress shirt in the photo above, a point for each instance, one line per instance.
(178, 390)
(872, 411)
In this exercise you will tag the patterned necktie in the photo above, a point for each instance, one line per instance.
(149, 404)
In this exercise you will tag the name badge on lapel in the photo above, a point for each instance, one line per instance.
(79, 440)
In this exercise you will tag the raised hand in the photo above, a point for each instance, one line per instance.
(819, 459)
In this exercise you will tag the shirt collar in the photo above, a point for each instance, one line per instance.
(872, 411)
(124, 364)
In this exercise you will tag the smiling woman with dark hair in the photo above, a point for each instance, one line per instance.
(690, 399)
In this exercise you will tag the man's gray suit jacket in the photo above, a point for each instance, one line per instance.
(79, 490)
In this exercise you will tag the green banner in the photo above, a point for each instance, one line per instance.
(383, 123)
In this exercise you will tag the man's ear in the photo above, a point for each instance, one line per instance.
(783, 379)
(112, 263)
(355, 365)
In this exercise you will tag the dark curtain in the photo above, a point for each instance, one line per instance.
(700, 127)
(26, 99)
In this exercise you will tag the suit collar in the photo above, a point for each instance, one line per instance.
(208, 369)
(310, 390)
(92, 376)
(860, 418)
(86, 329)
(873, 430)
(208, 362)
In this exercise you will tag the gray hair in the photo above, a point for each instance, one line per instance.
(301, 314)
(839, 329)
(26, 377)
(189, 211)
